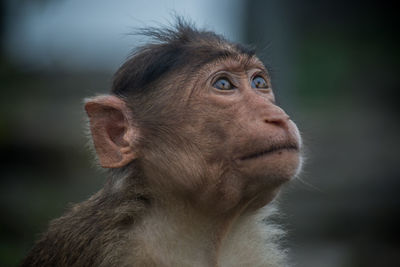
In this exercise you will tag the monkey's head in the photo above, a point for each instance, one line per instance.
(197, 115)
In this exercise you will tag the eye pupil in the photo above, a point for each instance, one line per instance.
(259, 82)
(223, 84)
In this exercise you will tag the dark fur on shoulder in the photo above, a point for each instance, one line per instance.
(83, 236)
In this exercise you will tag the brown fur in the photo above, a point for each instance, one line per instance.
(93, 233)
(188, 186)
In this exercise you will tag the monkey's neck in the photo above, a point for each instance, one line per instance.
(175, 234)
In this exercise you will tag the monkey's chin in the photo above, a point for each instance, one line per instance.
(271, 169)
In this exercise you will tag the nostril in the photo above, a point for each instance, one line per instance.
(279, 120)
(276, 115)
(276, 122)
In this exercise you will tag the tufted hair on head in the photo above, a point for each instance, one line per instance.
(171, 48)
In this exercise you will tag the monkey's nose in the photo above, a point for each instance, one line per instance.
(277, 117)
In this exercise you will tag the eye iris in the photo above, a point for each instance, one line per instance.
(259, 82)
(223, 84)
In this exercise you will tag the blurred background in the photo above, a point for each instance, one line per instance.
(335, 70)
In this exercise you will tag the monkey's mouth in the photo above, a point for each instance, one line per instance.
(272, 149)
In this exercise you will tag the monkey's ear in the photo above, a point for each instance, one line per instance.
(113, 132)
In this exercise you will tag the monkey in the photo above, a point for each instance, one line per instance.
(196, 150)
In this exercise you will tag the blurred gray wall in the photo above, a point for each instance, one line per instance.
(97, 34)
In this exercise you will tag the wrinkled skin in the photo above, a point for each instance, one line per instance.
(211, 145)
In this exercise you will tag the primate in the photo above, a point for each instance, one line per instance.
(197, 149)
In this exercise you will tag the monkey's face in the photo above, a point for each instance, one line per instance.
(233, 143)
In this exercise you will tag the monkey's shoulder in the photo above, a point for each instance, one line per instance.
(77, 238)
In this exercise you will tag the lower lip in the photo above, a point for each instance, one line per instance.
(277, 151)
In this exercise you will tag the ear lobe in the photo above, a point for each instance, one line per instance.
(114, 135)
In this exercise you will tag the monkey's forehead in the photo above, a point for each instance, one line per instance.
(237, 62)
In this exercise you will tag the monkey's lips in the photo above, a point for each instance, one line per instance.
(275, 148)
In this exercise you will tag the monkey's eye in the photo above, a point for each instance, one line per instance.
(259, 82)
(223, 84)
